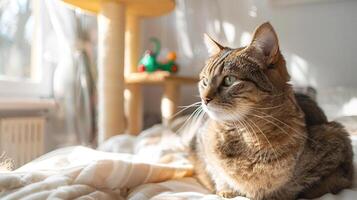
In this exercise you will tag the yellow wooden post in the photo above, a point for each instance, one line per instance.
(111, 25)
(132, 43)
(112, 16)
(133, 97)
(169, 101)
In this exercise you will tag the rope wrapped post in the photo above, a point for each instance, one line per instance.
(111, 26)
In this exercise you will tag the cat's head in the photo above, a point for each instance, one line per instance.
(237, 80)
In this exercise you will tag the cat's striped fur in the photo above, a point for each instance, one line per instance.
(260, 140)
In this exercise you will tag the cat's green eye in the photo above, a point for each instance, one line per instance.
(229, 80)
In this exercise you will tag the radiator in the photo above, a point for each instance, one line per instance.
(22, 138)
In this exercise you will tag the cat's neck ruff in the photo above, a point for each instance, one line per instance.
(265, 127)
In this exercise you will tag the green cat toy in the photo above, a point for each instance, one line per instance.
(149, 62)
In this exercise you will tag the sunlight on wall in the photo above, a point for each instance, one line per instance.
(253, 11)
(245, 38)
(229, 31)
(166, 102)
(350, 108)
(299, 71)
(184, 41)
(217, 26)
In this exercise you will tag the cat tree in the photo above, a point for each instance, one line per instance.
(119, 31)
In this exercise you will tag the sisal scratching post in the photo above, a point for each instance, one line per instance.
(169, 101)
(111, 25)
(133, 97)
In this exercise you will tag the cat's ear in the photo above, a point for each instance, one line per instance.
(213, 47)
(266, 40)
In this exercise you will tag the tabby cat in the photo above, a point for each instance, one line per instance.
(261, 140)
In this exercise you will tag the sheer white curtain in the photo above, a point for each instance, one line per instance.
(70, 49)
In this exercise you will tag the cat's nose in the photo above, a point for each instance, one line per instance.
(207, 100)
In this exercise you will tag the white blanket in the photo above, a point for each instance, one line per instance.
(151, 166)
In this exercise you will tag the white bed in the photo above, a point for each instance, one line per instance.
(151, 166)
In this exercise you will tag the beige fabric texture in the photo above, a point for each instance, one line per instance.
(151, 166)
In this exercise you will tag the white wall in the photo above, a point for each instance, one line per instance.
(318, 39)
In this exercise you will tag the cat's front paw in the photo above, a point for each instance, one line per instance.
(227, 193)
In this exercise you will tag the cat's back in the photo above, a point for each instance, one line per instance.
(314, 115)
(322, 134)
(328, 152)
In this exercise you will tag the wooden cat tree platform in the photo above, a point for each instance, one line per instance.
(119, 32)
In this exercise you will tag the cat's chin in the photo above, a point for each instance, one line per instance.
(220, 114)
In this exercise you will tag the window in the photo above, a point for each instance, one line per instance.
(21, 71)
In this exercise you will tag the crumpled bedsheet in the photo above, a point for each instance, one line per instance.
(153, 166)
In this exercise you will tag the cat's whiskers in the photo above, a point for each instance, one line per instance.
(268, 121)
(184, 125)
(283, 123)
(268, 108)
(275, 95)
(259, 113)
(196, 104)
(191, 125)
(281, 146)
(191, 105)
(266, 138)
(249, 130)
(195, 121)
(257, 139)
(252, 131)
(272, 116)
(296, 136)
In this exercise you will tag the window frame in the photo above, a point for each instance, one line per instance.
(39, 85)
